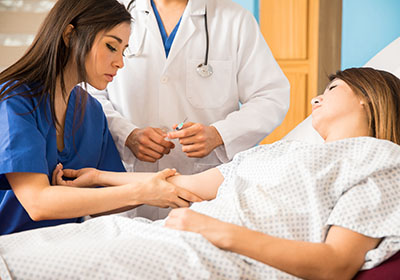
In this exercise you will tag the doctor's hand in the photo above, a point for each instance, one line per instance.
(148, 144)
(197, 140)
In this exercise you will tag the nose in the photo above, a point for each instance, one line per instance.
(316, 100)
(119, 62)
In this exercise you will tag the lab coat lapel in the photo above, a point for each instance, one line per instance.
(139, 24)
(152, 26)
(195, 8)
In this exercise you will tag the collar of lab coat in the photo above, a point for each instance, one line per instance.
(194, 9)
(197, 7)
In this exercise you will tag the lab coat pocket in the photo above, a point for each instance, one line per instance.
(208, 92)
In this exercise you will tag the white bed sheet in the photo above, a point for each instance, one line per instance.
(353, 183)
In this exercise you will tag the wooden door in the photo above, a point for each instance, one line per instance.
(304, 37)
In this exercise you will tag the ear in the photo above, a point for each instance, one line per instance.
(364, 100)
(67, 34)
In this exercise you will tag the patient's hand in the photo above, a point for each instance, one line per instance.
(157, 191)
(85, 177)
(188, 220)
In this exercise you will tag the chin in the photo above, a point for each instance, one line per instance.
(98, 86)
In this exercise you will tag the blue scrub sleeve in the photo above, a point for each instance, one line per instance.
(109, 159)
(22, 146)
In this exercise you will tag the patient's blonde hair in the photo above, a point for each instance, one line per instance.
(381, 92)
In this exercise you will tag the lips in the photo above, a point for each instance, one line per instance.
(109, 77)
(315, 107)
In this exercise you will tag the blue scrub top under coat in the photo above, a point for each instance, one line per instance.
(167, 40)
(28, 143)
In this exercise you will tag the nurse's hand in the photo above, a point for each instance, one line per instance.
(85, 177)
(197, 140)
(157, 191)
(148, 144)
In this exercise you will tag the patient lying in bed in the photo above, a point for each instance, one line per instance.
(280, 211)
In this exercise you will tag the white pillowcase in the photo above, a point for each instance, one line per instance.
(304, 131)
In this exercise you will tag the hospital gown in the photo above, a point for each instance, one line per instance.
(289, 189)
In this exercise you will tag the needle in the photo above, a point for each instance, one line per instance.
(179, 127)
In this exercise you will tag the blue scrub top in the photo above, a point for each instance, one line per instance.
(28, 143)
(167, 40)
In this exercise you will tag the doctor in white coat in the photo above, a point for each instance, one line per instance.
(192, 61)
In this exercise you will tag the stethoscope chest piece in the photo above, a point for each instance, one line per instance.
(204, 71)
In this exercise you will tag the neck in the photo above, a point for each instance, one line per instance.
(61, 99)
(341, 131)
(70, 81)
(170, 3)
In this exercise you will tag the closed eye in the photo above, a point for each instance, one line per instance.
(332, 87)
(111, 48)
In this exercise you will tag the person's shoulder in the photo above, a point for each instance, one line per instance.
(93, 107)
(232, 12)
(17, 88)
(91, 102)
(228, 7)
(229, 4)
(386, 144)
(369, 148)
(14, 92)
(365, 141)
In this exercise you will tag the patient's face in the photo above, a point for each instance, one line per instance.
(338, 110)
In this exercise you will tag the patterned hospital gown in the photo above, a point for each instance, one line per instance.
(289, 189)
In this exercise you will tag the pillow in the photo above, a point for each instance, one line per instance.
(387, 59)
(388, 270)
(304, 131)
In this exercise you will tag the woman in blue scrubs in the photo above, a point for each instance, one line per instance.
(47, 122)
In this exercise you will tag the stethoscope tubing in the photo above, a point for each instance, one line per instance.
(204, 69)
(207, 37)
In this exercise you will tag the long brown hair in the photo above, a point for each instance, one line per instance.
(381, 92)
(46, 58)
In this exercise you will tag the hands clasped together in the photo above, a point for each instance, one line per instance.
(148, 188)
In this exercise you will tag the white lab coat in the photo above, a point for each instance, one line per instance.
(152, 90)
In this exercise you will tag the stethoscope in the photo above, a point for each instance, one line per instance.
(204, 69)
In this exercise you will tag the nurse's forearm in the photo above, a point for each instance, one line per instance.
(59, 202)
(204, 185)
(44, 202)
(107, 178)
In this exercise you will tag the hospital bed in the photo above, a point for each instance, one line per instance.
(387, 59)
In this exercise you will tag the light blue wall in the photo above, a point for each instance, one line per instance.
(368, 26)
(251, 5)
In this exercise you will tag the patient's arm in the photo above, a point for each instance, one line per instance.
(205, 184)
(340, 257)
